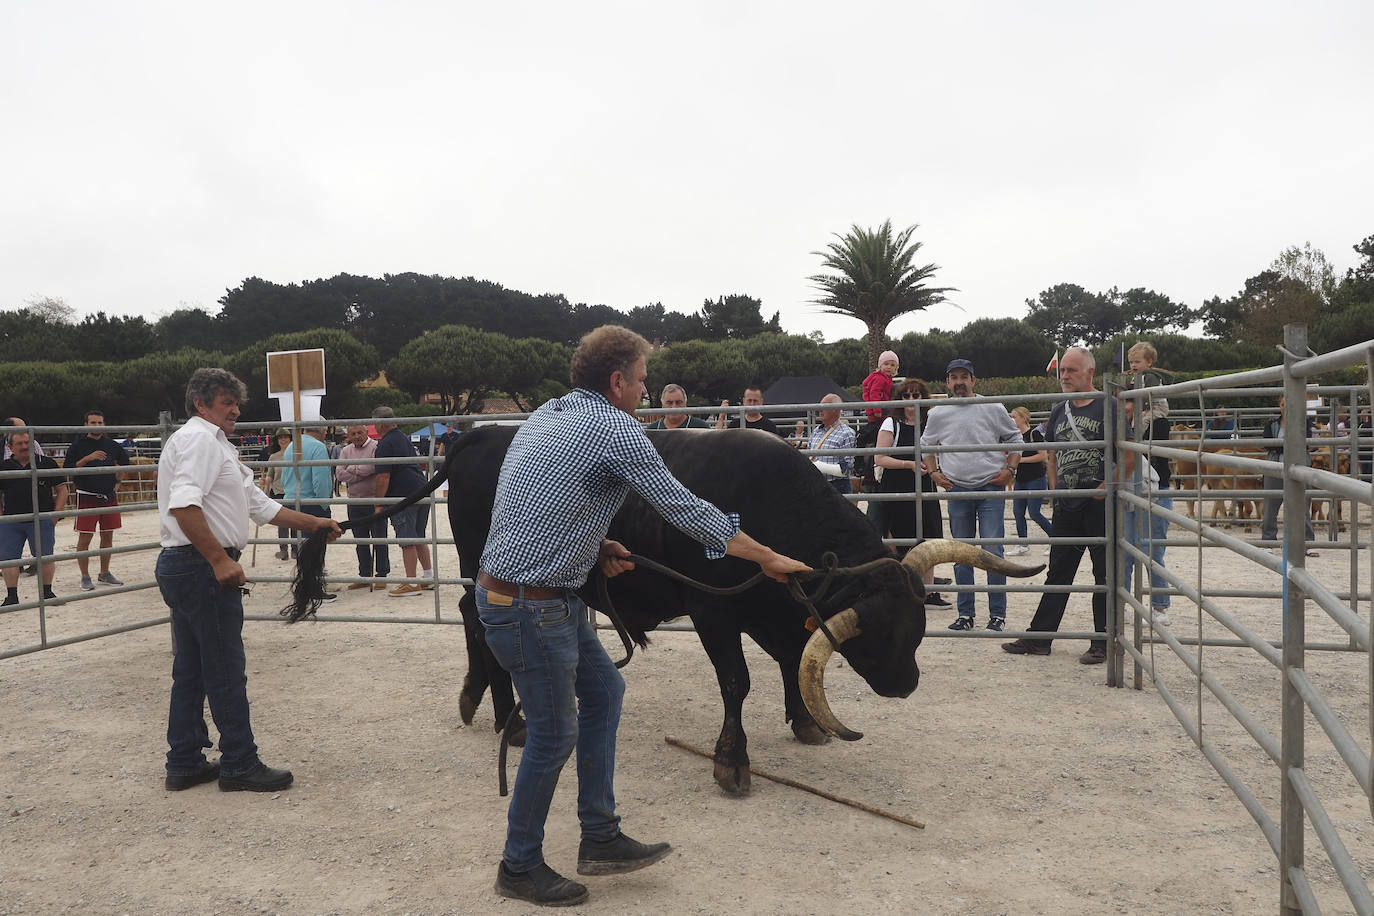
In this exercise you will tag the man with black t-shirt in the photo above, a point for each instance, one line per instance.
(1081, 421)
(95, 491)
(753, 419)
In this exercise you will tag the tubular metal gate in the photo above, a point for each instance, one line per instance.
(1299, 800)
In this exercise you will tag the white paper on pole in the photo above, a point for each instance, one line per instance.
(310, 407)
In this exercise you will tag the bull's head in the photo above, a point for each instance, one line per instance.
(880, 633)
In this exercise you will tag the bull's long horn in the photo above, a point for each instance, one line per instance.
(929, 554)
(844, 625)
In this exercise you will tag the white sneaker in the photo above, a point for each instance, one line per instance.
(1017, 550)
(1160, 618)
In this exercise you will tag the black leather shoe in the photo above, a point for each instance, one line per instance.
(617, 856)
(540, 885)
(261, 778)
(208, 772)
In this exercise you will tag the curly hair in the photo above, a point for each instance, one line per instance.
(913, 389)
(206, 384)
(604, 351)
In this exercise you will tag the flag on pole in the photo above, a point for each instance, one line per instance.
(1054, 363)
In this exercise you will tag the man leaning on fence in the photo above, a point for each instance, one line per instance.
(1081, 421)
(833, 432)
(206, 498)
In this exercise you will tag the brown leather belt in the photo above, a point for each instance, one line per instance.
(512, 590)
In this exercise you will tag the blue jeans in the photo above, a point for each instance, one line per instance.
(1019, 506)
(986, 515)
(373, 559)
(1159, 527)
(571, 694)
(411, 522)
(207, 622)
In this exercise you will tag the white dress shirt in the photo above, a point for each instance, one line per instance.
(199, 467)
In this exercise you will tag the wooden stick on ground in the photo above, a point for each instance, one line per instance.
(676, 742)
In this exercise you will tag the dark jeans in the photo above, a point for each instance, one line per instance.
(207, 622)
(372, 558)
(1088, 520)
(841, 484)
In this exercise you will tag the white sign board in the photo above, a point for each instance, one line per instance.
(296, 376)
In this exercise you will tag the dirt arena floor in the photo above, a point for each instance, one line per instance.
(1042, 790)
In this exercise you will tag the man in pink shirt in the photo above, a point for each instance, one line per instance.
(362, 484)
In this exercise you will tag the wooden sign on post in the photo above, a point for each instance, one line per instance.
(299, 374)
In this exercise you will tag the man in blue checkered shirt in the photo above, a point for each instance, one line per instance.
(564, 477)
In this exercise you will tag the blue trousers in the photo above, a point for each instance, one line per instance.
(373, 559)
(1033, 503)
(207, 621)
(986, 515)
(1159, 529)
(571, 693)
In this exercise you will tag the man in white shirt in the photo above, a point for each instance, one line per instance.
(206, 498)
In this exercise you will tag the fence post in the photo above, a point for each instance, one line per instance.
(1111, 531)
(1294, 609)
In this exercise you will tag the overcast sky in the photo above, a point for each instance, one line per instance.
(157, 154)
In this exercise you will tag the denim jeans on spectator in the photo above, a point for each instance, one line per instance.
(373, 559)
(207, 623)
(1158, 530)
(1019, 506)
(15, 533)
(412, 522)
(571, 693)
(986, 515)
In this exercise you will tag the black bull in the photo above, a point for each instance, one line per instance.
(879, 617)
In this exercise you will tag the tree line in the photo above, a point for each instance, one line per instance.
(467, 340)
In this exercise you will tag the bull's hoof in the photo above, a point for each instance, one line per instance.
(809, 733)
(467, 707)
(733, 779)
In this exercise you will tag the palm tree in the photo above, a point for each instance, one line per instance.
(875, 281)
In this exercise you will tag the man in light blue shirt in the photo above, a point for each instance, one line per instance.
(311, 482)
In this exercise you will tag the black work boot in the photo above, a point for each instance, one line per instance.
(540, 885)
(617, 856)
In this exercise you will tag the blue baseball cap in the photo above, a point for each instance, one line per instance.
(960, 364)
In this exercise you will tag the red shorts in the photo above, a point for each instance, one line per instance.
(107, 521)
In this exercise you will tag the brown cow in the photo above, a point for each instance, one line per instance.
(1212, 476)
(1322, 460)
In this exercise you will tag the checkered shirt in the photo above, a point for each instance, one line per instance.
(565, 476)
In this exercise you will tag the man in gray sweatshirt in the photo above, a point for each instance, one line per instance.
(973, 423)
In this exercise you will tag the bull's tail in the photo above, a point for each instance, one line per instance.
(307, 587)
